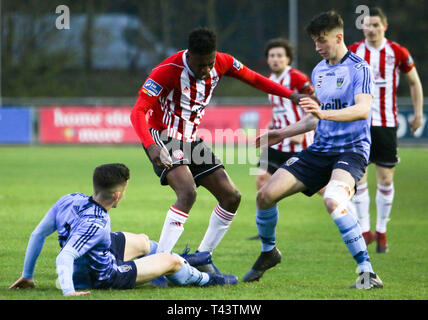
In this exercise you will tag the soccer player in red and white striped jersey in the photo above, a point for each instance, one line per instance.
(279, 54)
(174, 98)
(387, 60)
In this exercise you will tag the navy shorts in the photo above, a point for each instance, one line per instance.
(314, 169)
(274, 159)
(125, 276)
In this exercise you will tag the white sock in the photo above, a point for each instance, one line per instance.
(172, 229)
(352, 210)
(384, 199)
(219, 224)
(361, 201)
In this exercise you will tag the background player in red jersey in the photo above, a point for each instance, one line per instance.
(174, 97)
(279, 54)
(387, 59)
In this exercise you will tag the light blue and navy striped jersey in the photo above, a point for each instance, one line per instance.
(84, 226)
(336, 86)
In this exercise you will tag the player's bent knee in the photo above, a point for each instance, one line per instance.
(144, 243)
(235, 198)
(264, 199)
(175, 262)
(261, 180)
(187, 196)
(330, 204)
(336, 193)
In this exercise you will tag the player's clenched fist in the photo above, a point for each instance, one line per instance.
(297, 98)
(159, 156)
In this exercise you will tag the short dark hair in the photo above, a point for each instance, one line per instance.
(378, 12)
(202, 41)
(108, 176)
(323, 22)
(280, 43)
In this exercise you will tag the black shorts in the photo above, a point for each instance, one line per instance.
(383, 150)
(274, 160)
(125, 276)
(196, 155)
(314, 169)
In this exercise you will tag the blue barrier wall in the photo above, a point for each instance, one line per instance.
(16, 125)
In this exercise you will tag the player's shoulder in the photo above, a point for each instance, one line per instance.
(395, 44)
(225, 61)
(297, 73)
(356, 61)
(72, 197)
(172, 62)
(398, 48)
(353, 47)
(320, 66)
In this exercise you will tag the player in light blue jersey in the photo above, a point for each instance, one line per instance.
(93, 257)
(338, 157)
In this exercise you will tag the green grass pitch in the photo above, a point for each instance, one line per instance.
(316, 263)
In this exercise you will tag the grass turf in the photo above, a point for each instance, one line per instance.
(316, 264)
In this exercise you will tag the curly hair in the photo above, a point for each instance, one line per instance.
(202, 41)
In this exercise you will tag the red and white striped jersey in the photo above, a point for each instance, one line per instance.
(174, 100)
(386, 62)
(184, 97)
(285, 112)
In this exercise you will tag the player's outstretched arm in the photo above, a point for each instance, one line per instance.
(262, 83)
(359, 111)
(307, 123)
(34, 247)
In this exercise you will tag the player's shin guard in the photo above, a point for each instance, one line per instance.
(384, 199)
(188, 275)
(220, 222)
(266, 220)
(352, 236)
(361, 201)
(172, 229)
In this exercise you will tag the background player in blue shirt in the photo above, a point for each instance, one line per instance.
(339, 155)
(93, 257)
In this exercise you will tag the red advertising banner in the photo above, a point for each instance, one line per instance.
(111, 125)
(98, 125)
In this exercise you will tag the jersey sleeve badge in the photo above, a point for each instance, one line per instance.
(152, 88)
(237, 64)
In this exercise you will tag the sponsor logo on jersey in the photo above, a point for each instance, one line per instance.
(152, 88)
(237, 64)
(334, 105)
